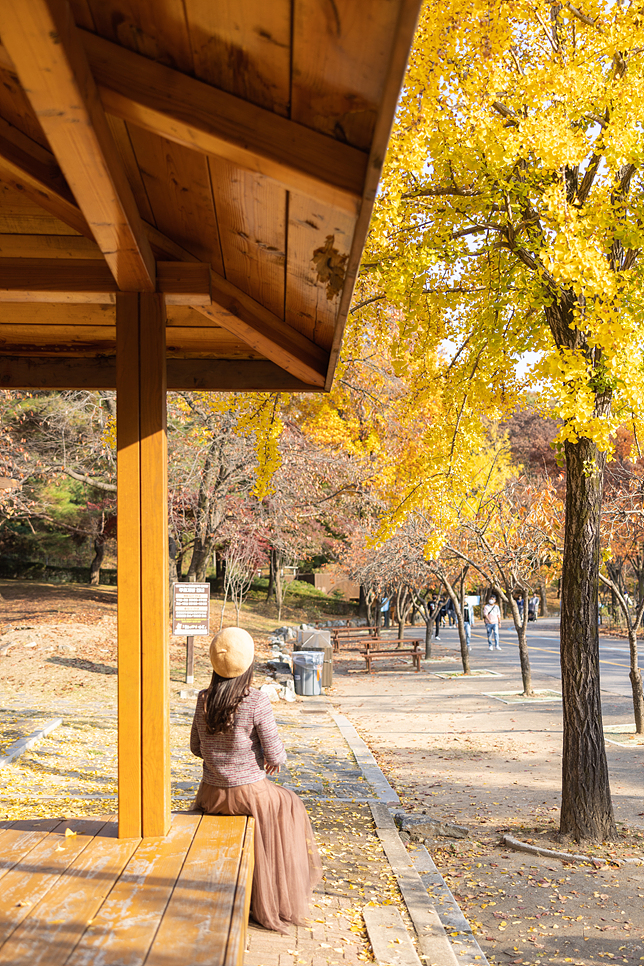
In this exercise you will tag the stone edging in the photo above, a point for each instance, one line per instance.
(23, 744)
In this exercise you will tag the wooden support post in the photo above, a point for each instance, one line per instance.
(190, 660)
(144, 748)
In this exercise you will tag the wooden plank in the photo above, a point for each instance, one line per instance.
(185, 110)
(54, 338)
(218, 375)
(232, 375)
(53, 280)
(16, 844)
(408, 11)
(14, 103)
(156, 30)
(177, 182)
(252, 225)
(185, 283)
(350, 42)
(319, 242)
(48, 246)
(24, 886)
(45, 314)
(89, 280)
(128, 434)
(155, 666)
(44, 44)
(124, 927)
(123, 142)
(198, 916)
(42, 184)
(241, 906)
(244, 48)
(19, 213)
(54, 927)
(31, 168)
(265, 332)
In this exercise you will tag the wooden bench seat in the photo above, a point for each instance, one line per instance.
(91, 897)
(372, 652)
(352, 635)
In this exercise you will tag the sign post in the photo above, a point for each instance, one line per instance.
(191, 616)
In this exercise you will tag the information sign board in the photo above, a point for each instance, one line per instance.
(191, 609)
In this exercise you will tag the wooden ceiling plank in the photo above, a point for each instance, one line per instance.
(177, 182)
(203, 118)
(319, 241)
(48, 246)
(322, 36)
(45, 46)
(156, 30)
(266, 332)
(252, 223)
(219, 32)
(88, 280)
(403, 35)
(222, 375)
(44, 314)
(122, 140)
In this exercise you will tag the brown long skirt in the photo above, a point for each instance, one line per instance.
(287, 862)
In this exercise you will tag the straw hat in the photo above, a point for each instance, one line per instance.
(232, 652)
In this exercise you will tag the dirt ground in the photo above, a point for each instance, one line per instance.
(445, 747)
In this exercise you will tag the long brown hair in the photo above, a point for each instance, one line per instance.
(223, 697)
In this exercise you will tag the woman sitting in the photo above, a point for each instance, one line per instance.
(234, 731)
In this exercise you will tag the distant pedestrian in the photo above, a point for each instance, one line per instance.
(492, 620)
(385, 610)
(533, 608)
(467, 624)
(440, 614)
(450, 612)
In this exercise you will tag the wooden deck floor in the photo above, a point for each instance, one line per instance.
(73, 894)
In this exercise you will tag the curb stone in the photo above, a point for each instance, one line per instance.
(469, 952)
(434, 944)
(24, 744)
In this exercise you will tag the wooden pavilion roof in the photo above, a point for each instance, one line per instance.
(224, 152)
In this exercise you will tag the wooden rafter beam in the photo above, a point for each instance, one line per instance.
(32, 169)
(199, 116)
(259, 328)
(88, 280)
(219, 375)
(45, 46)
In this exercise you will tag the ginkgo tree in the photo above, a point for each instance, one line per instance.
(509, 221)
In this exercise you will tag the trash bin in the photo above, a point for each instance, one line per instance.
(327, 666)
(307, 672)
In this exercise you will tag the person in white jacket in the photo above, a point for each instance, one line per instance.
(492, 621)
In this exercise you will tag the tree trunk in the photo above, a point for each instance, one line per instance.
(363, 609)
(521, 627)
(543, 599)
(97, 562)
(636, 682)
(586, 808)
(428, 638)
(465, 654)
(271, 576)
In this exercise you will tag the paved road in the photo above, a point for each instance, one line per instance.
(543, 640)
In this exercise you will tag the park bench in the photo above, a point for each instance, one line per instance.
(372, 651)
(92, 897)
(352, 635)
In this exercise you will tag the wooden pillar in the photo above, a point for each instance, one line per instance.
(143, 664)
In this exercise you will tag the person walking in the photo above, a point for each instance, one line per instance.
(385, 610)
(235, 733)
(492, 621)
(467, 624)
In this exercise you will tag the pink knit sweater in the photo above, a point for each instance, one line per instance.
(238, 758)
